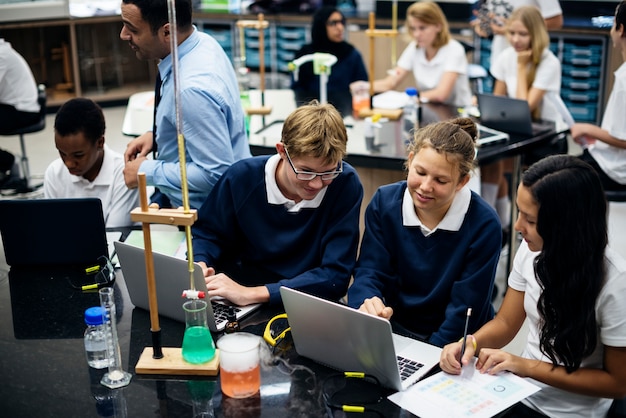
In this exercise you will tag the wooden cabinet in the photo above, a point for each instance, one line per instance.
(80, 57)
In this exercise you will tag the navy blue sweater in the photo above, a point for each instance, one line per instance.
(428, 281)
(256, 243)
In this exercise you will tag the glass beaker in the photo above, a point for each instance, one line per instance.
(240, 371)
(198, 346)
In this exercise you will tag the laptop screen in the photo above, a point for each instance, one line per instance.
(53, 232)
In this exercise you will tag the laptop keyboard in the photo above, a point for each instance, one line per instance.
(220, 311)
(407, 367)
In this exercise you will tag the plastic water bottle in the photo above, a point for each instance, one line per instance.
(95, 342)
(409, 114)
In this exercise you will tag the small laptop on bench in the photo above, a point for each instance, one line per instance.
(509, 115)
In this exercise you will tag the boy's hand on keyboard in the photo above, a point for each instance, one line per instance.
(223, 286)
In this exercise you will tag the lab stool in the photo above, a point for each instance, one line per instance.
(24, 185)
(476, 74)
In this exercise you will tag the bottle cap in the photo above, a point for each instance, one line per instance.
(94, 315)
(411, 91)
(232, 316)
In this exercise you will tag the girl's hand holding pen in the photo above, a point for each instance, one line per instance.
(450, 361)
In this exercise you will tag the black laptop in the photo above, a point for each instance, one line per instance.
(53, 232)
(509, 115)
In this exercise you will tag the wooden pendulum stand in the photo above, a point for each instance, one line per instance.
(261, 24)
(163, 360)
(373, 33)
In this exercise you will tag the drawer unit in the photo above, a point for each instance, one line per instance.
(282, 39)
(288, 41)
(253, 44)
(583, 62)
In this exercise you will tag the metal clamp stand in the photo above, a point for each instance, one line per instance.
(373, 33)
(261, 24)
(163, 360)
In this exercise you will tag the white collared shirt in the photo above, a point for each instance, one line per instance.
(453, 219)
(276, 197)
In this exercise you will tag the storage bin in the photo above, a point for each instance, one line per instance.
(581, 60)
(254, 33)
(580, 83)
(586, 50)
(583, 113)
(581, 71)
(297, 34)
(579, 96)
(289, 45)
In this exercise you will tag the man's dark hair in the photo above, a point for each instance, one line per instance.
(155, 12)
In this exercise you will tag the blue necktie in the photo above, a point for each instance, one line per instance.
(157, 99)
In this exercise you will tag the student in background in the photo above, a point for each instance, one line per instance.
(18, 90)
(88, 167)
(213, 120)
(289, 219)
(525, 70)
(327, 35)
(438, 62)
(18, 102)
(493, 15)
(605, 145)
(431, 246)
(571, 287)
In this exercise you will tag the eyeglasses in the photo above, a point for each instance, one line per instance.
(308, 176)
(335, 22)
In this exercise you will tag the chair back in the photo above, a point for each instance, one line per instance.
(42, 99)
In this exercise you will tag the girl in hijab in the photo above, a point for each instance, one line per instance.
(327, 35)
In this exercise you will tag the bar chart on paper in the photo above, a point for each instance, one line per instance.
(472, 394)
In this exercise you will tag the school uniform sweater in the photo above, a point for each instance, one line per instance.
(429, 281)
(258, 243)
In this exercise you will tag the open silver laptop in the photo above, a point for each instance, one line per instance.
(509, 115)
(349, 340)
(171, 278)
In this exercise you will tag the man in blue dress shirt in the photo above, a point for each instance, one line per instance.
(213, 122)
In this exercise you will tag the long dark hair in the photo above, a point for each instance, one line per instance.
(570, 268)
